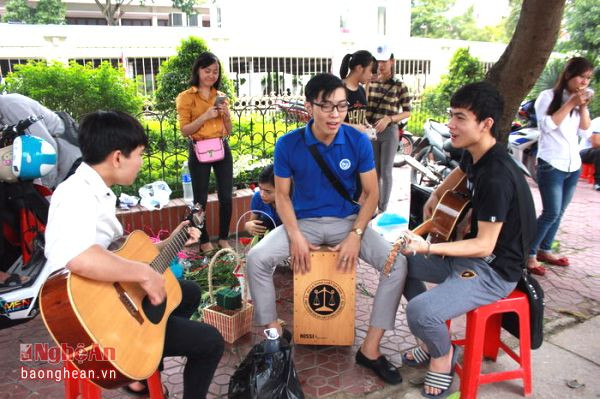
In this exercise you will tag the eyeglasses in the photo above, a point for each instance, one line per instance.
(329, 107)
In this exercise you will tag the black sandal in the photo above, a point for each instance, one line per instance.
(441, 381)
(419, 357)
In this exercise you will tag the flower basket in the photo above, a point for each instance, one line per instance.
(232, 324)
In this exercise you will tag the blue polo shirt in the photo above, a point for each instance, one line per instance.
(348, 154)
(257, 204)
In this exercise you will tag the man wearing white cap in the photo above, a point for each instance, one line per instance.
(389, 104)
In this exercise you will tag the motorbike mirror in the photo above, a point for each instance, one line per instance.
(32, 157)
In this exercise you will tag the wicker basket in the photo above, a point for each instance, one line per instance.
(232, 324)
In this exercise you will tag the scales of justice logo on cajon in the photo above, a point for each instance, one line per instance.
(324, 299)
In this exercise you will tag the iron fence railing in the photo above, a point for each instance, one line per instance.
(257, 124)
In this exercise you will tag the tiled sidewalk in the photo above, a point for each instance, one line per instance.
(571, 291)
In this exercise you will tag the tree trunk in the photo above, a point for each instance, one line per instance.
(108, 11)
(526, 55)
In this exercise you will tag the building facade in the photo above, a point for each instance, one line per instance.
(268, 46)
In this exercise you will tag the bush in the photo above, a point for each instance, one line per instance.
(463, 69)
(175, 72)
(75, 89)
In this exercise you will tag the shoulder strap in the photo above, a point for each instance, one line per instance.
(383, 97)
(328, 173)
(526, 226)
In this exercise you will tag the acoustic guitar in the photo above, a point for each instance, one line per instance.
(110, 331)
(445, 222)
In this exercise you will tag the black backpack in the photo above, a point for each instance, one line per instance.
(71, 133)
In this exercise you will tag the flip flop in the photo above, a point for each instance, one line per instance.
(551, 260)
(419, 357)
(441, 381)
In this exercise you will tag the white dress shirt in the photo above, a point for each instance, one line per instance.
(82, 213)
(558, 145)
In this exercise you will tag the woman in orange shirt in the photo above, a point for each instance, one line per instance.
(200, 118)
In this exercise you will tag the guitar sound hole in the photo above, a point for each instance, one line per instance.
(154, 313)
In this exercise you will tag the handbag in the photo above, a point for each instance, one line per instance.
(209, 150)
(527, 284)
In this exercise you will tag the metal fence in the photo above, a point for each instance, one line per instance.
(257, 124)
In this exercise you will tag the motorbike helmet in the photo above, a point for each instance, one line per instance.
(6, 172)
(32, 157)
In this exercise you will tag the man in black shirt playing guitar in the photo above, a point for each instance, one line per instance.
(484, 266)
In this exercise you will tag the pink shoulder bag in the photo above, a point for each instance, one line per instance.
(209, 150)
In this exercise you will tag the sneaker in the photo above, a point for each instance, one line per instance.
(597, 186)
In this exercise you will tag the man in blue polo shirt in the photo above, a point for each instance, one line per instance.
(317, 214)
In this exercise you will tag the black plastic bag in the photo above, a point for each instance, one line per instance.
(266, 375)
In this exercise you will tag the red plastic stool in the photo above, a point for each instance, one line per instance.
(587, 172)
(74, 387)
(483, 339)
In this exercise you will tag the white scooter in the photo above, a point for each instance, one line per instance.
(523, 139)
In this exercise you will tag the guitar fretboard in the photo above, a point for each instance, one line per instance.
(174, 245)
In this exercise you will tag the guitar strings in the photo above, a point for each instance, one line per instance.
(163, 260)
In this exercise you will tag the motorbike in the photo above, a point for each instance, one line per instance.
(434, 157)
(24, 159)
(294, 110)
(523, 139)
(406, 142)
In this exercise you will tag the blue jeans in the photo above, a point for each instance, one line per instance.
(556, 188)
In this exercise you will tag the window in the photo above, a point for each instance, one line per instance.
(85, 21)
(176, 19)
(381, 21)
(192, 19)
(136, 22)
(219, 17)
(344, 21)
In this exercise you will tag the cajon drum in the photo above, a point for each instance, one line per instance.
(324, 301)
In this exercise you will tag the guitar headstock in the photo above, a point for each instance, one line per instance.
(196, 216)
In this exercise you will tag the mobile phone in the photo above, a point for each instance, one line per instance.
(220, 100)
(589, 92)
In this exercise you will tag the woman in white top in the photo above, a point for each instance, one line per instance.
(562, 114)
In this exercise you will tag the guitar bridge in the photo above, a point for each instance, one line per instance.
(128, 303)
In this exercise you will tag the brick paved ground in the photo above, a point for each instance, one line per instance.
(572, 291)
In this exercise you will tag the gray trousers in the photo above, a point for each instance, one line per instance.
(330, 231)
(384, 150)
(457, 293)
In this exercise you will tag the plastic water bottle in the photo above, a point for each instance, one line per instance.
(271, 344)
(186, 182)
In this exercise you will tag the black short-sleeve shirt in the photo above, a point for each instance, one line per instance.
(495, 199)
(357, 111)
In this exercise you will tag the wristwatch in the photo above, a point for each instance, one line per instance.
(358, 231)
